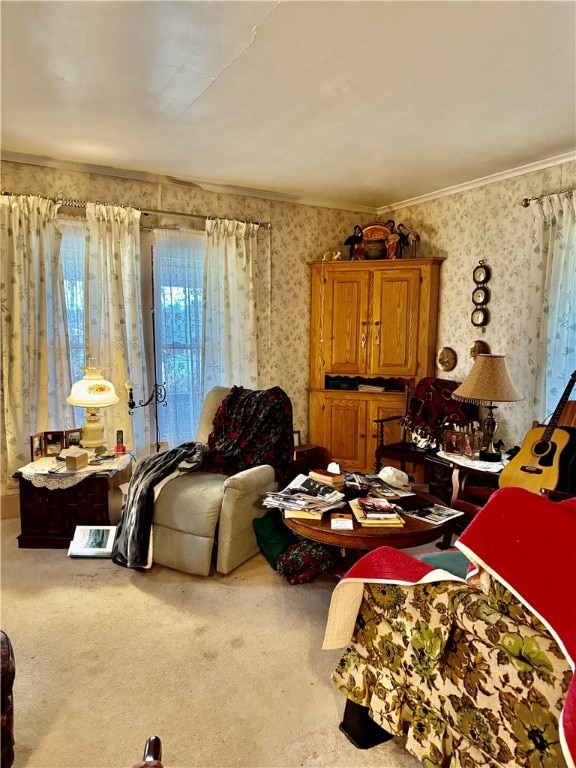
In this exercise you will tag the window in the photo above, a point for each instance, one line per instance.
(178, 273)
(72, 250)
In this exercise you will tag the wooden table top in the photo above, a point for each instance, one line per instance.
(414, 533)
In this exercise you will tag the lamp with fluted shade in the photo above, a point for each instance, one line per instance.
(93, 392)
(487, 383)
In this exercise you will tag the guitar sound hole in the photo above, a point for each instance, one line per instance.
(545, 451)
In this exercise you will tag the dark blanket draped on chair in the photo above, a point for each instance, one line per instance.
(251, 428)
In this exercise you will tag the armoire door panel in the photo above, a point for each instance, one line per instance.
(395, 323)
(346, 419)
(346, 320)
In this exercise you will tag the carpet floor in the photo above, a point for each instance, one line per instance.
(228, 670)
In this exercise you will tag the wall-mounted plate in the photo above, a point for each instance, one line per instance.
(478, 347)
(446, 359)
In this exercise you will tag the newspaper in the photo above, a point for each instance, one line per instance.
(305, 493)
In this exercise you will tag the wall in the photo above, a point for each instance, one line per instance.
(487, 222)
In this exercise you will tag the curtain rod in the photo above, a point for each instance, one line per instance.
(74, 203)
(527, 200)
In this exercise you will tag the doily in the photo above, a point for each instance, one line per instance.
(52, 474)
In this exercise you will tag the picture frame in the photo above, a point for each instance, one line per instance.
(472, 444)
(37, 446)
(72, 437)
(453, 442)
(53, 443)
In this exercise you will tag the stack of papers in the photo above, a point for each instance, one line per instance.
(307, 495)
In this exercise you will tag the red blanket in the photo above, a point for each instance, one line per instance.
(525, 542)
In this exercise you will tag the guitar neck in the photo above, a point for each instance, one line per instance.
(549, 431)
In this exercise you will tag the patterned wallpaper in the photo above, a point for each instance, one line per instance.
(487, 223)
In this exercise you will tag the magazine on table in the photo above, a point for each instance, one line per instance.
(374, 485)
(92, 541)
(307, 494)
(375, 507)
(433, 513)
(394, 521)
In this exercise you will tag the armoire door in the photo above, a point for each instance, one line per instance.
(395, 322)
(345, 319)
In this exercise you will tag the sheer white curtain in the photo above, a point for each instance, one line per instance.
(73, 254)
(36, 375)
(115, 336)
(178, 309)
(553, 318)
(230, 318)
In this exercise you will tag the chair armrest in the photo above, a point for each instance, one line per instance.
(389, 418)
(251, 480)
(242, 502)
(380, 422)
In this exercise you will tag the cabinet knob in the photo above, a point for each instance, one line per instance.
(362, 435)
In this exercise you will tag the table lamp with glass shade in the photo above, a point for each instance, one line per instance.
(93, 392)
(487, 383)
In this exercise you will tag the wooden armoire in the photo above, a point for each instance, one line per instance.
(372, 323)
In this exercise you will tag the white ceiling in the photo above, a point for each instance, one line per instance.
(362, 104)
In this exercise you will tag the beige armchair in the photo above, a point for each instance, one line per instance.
(197, 509)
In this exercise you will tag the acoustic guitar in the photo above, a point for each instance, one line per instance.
(546, 454)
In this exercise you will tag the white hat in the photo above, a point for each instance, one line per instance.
(394, 477)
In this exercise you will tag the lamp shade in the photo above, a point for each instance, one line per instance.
(92, 391)
(488, 382)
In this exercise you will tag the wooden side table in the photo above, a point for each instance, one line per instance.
(472, 486)
(308, 457)
(48, 517)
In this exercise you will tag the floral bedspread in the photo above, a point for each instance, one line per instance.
(471, 677)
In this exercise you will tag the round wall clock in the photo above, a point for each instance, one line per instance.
(481, 273)
(480, 317)
(480, 296)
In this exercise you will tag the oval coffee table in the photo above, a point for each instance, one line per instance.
(412, 534)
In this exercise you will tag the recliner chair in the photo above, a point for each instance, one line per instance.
(198, 509)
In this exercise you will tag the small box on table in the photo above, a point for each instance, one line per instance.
(76, 459)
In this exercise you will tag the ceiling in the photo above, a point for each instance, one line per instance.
(356, 104)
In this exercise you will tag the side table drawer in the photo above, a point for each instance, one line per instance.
(86, 504)
(307, 457)
(41, 510)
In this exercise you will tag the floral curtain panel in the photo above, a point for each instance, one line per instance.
(230, 318)
(36, 375)
(114, 333)
(553, 322)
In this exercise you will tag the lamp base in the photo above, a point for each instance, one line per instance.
(490, 456)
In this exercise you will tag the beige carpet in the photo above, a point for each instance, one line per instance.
(227, 670)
